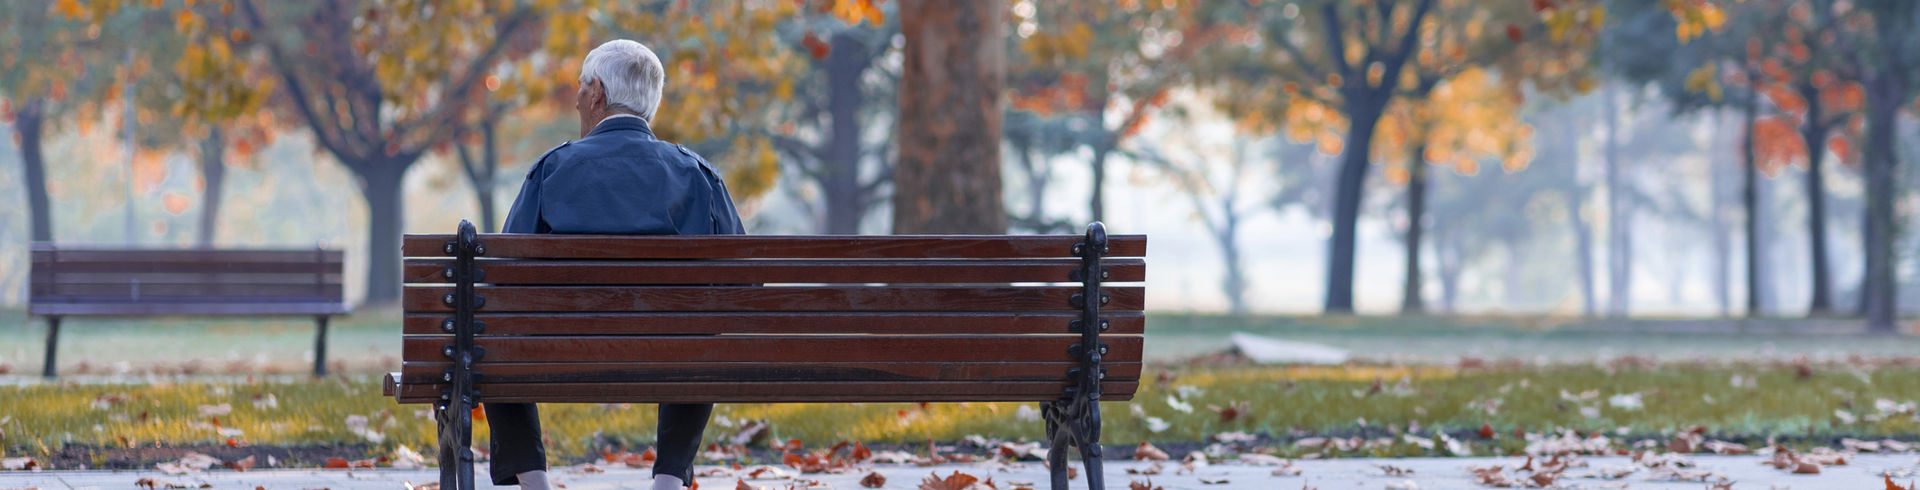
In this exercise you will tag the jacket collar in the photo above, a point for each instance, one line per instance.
(622, 124)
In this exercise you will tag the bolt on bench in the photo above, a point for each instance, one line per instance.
(95, 281)
(772, 319)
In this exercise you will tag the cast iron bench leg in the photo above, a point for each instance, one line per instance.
(53, 342)
(320, 347)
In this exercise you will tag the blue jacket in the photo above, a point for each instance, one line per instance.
(620, 180)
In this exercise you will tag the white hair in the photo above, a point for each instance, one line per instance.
(629, 73)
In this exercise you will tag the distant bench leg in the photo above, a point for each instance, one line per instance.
(53, 342)
(319, 348)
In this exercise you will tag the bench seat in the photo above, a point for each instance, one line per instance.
(1057, 320)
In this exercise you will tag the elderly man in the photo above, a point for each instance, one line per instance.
(616, 179)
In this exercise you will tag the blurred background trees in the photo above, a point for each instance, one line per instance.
(1587, 157)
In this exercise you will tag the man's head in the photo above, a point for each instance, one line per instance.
(619, 77)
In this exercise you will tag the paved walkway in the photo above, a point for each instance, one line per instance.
(1425, 473)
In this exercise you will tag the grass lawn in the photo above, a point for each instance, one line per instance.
(1280, 404)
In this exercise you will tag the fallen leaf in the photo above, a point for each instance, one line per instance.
(20, 463)
(1893, 486)
(1486, 431)
(874, 480)
(956, 481)
(337, 464)
(1136, 485)
(1543, 479)
(1147, 452)
(1287, 470)
(1806, 468)
(243, 464)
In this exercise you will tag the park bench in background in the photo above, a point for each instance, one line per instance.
(94, 281)
(772, 319)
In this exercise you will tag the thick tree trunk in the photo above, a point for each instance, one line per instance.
(380, 185)
(28, 123)
(1750, 200)
(1410, 300)
(1619, 227)
(947, 179)
(1363, 116)
(213, 174)
(840, 173)
(1880, 291)
(1814, 132)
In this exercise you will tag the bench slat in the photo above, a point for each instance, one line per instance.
(68, 254)
(213, 292)
(774, 348)
(183, 267)
(754, 298)
(197, 277)
(539, 271)
(181, 308)
(774, 247)
(430, 373)
(499, 324)
(798, 392)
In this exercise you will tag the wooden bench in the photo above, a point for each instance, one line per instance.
(92, 281)
(807, 319)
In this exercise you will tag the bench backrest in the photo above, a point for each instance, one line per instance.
(596, 318)
(114, 281)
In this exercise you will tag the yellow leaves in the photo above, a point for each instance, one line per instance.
(857, 11)
(1468, 118)
(1703, 80)
(70, 9)
(184, 21)
(1694, 18)
(1072, 44)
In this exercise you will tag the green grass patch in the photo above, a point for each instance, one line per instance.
(1283, 403)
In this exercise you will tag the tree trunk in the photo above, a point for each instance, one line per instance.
(482, 172)
(1619, 234)
(28, 124)
(1750, 199)
(380, 184)
(213, 172)
(1098, 206)
(1880, 289)
(1814, 131)
(1235, 282)
(1583, 247)
(947, 178)
(840, 173)
(1447, 254)
(1410, 300)
(1722, 244)
(1363, 114)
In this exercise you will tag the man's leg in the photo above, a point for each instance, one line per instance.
(516, 444)
(679, 439)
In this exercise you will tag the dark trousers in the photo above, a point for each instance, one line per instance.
(517, 447)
